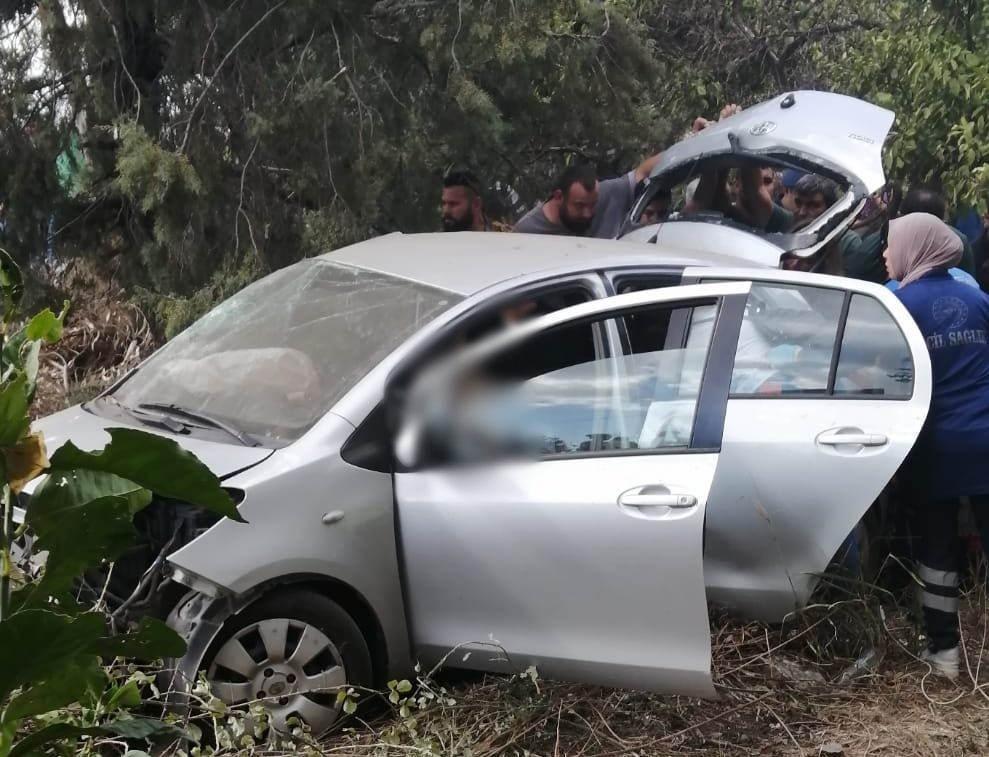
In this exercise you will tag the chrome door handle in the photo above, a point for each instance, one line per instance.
(836, 438)
(635, 498)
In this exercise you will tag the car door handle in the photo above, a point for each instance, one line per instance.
(836, 438)
(636, 498)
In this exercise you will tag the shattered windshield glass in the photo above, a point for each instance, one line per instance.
(271, 360)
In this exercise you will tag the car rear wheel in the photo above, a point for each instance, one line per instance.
(293, 651)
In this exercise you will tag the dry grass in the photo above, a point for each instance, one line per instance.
(782, 693)
(104, 337)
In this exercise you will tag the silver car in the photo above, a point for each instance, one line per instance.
(707, 429)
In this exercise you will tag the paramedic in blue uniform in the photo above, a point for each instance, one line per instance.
(952, 453)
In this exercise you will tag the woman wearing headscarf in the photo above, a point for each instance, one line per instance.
(951, 457)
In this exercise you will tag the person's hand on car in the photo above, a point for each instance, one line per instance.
(700, 123)
(729, 110)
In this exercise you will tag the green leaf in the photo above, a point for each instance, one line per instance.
(143, 728)
(32, 745)
(80, 680)
(150, 640)
(31, 362)
(127, 728)
(156, 463)
(404, 687)
(38, 644)
(128, 695)
(79, 529)
(46, 326)
(63, 491)
(13, 411)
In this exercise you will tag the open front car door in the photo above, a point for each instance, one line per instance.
(552, 512)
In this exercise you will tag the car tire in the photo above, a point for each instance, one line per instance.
(293, 650)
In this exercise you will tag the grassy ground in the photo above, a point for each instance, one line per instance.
(784, 691)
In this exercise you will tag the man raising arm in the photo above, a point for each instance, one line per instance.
(580, 205)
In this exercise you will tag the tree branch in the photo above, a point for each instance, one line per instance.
(209, 84)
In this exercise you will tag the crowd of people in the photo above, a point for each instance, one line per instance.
(939, 272)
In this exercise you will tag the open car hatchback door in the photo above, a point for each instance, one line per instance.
(561, 524)
(816, 131)
(834, 135)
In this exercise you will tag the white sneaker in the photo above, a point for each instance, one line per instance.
(944, 662)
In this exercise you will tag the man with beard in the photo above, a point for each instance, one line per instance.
(461, 206)
(582, 206)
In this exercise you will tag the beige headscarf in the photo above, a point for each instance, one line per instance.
(920, 243)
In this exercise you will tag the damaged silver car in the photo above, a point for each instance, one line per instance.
(696, 427)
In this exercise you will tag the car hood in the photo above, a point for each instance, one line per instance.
(89, 432)
(818, 131)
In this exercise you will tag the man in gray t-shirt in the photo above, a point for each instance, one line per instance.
(582, 206)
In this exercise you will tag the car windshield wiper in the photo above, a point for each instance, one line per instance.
(197, 417)
(148, 419)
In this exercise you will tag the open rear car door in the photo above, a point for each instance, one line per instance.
(831, 386)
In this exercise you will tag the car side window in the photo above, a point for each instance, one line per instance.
(541, 399)
(874, 360)
(786, 341)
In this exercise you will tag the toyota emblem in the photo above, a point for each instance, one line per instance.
(763, 128)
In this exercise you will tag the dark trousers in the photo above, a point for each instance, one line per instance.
(940, 562)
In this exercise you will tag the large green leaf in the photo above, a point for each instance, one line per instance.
(38, 644)
(46, 325)
(31, 362)
(11, 358)
(65, 491)
(13, 411)
(80, 518)
(150, 640)
(82, 537)
(154, 462)
(79, 680)
(127, 728)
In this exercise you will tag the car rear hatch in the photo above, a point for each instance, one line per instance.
(829, 134)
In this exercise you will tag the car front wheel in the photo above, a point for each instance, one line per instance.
(293, 651)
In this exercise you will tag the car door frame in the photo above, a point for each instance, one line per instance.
(705, 438)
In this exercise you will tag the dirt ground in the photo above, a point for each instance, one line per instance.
(784, 691)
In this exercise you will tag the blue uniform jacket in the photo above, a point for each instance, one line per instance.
(954, 319)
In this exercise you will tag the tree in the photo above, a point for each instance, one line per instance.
(925, 64)
(221, 139)
(225, 140)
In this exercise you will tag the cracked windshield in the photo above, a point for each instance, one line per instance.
(273, 359)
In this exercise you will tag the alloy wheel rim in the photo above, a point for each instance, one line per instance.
(290, 666)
